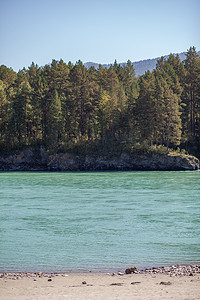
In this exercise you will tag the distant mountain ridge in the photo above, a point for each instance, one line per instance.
(140, 66)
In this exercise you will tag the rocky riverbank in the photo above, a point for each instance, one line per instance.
(173, 270)
(39, 160)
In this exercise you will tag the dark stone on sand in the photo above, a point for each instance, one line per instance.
(131, 269)
(165, 283)
(84, 282)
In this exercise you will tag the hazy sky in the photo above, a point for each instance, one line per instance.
(93, 30)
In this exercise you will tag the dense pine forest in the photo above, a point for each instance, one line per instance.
(66, 107)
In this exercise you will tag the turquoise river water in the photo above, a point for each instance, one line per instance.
(98, 220)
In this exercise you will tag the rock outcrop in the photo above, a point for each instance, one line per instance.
(26, 160)
(39, 160)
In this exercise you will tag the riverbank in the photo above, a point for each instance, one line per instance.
(156, 283)
(38, 159)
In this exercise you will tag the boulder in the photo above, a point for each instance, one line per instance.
(132, 269)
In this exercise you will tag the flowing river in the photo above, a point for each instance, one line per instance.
(80, 221)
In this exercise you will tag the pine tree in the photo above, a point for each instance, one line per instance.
(7, 75)
(54, 122)
(82, 96)
(3, 112)
(191, 95)
(103, 114)
(78, 93)
(167, 113)
(21, 114)
(145, 108)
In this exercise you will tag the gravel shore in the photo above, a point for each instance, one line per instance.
(172, 270)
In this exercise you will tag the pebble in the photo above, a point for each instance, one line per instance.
(120, 273)
(165, 282)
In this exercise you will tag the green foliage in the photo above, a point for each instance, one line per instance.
(145, 149)
(67, 107)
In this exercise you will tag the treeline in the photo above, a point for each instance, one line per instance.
(63, 106)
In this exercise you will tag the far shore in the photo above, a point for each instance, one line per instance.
(173, 282)
(33, 159)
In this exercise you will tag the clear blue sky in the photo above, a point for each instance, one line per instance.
(93, 30)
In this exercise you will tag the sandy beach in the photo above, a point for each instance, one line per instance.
(105, 286)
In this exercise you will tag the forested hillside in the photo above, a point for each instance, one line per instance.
(67, 107)
(140, 66)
